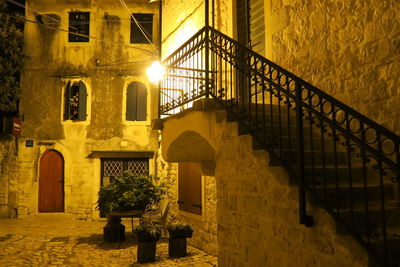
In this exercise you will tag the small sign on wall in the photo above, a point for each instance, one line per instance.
(16, 126)
(29, 143)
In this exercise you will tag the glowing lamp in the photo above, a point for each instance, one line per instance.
(155, 72)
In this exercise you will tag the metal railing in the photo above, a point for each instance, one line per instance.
(347, 163)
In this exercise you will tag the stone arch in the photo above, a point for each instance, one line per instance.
(190, 146)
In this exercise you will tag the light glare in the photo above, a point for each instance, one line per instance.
(155, 72)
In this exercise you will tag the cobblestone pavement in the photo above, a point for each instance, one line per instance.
(61, 240)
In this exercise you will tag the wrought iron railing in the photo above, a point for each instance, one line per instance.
(347, 163)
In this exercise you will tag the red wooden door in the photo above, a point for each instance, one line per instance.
(51, 182)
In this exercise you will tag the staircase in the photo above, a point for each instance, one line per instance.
(340, 160)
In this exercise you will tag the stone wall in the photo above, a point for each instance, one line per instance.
(205, 226)
(107, 64)
(257, 214)
(8, 177)
(182, 19)
(350, 49)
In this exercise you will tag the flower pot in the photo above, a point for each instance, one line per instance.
(114, 231)
(177, 247)
(146, 251)
(180, 233)
(147, 243)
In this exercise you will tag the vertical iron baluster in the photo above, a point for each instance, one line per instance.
(365, 178)
(248, 84)
(263, 104)
(256, 103)
(272, 136)
(382, 199)
(348, 145)
(304, 218)
(311, 145)
(335, 162)
(281, 153)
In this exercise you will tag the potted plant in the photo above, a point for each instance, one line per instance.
(125, 193)
(147, 236)
(177, 239)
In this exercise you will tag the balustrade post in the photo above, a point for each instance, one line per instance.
(207, 51)
(304, 218)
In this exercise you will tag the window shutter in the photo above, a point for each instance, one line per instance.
(131, 102)
(82, 102)
(257, 26)
(141, 102)
(189, 187)
(67, 93)
(182, 187)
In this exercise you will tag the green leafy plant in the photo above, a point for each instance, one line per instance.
(11, 59)
(147, 231)
(128, 192)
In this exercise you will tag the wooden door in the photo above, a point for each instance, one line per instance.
(189, 187)
(51, 182)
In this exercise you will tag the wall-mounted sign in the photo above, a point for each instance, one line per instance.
(29, 143)
(16, 126)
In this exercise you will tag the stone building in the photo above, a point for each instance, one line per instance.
(243, 207)
(87, 104)
(348, 49)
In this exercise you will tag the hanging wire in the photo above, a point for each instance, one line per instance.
(78, 34)
(138, 24)
(36, 11)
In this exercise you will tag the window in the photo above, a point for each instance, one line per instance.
(115, 167)
(136, 102)
(75, 101)
(79, 24)
(189, 187)
(146, 23)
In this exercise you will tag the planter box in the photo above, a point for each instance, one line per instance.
(177, 247)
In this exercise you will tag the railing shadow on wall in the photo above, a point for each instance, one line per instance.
(347, 163)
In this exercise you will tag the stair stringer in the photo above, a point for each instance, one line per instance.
(257, 206)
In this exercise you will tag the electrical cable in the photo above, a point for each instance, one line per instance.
(38, 12)
(138, 24)
(78, 34)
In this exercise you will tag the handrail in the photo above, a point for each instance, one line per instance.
(345, 161)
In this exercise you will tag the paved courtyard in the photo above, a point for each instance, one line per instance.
(61, 240)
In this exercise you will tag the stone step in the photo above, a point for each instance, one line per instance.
(316, 157)
(340, 197)
(357, 218)
(319, 176)
(393, 251)
(286, 142)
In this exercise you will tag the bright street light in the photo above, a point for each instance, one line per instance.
(155, 72)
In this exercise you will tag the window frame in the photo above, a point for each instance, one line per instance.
(136, 36)
(78, 27)
(69, 101)
(136, 115)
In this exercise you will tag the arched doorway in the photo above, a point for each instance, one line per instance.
(51, 182)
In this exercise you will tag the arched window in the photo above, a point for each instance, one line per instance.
(136, 102)
(75, 101)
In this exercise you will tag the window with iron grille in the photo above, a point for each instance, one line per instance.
(79, 26)
(138, 35)
(115, 167)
